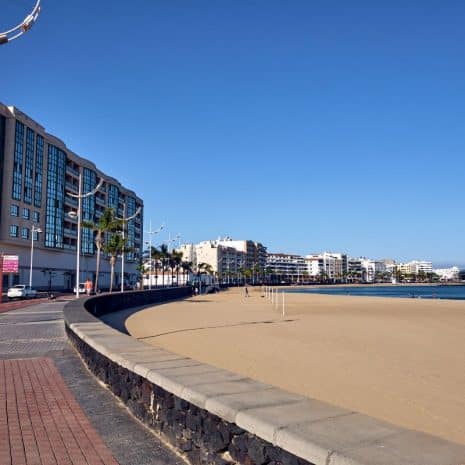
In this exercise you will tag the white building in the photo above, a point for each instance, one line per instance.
(289, 267)
(447, 274)
(372, 269)
(416, 267)
(327, 264)
(226, 262)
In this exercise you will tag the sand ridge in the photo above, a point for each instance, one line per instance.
(400, 360)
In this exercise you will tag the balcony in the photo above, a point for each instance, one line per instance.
(71, 170)
(71, 201)
(70, 232)
(100, 201)
(71, 187)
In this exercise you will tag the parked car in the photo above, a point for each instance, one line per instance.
(21, 291)
(82, 288)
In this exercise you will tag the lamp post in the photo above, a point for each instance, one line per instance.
(33, 230)
(78, 215)
(151, 232)
(22, 27)
(125, 220)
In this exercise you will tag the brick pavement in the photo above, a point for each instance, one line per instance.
(54, 408)
(41, 422)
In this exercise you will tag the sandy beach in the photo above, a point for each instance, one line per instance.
(401, 360)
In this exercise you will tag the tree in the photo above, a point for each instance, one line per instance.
(155, 256)
(116, 245)
(107, 223)
(247, 272)
(164, 254)
(187, 268)
(175, 260)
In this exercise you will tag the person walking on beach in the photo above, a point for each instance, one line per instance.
(88, 286)
(246, 290)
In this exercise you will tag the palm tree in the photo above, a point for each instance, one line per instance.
(187, 268)
(247, 274)
(107, 223)
(164, 258)
(115, 246)
(155, 256)
(176, 260)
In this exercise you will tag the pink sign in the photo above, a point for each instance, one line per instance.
(10, 263)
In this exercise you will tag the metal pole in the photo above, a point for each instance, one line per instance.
(122, 252)
(78, 250)
(32, 255)
(150, 256)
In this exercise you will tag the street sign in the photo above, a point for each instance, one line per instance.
(10, 263)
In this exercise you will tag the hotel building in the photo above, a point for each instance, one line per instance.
(37, 171)
(327, 264)
(288, 267)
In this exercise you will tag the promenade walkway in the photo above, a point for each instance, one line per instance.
(52, 410)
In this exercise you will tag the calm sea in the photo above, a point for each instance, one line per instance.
(421, 292)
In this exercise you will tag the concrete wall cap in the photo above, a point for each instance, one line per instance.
(228, 406)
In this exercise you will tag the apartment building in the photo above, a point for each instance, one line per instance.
(415, 267)
(37, 173)
(255, 252)
(447, 274)
(289, 267)
(327, 264)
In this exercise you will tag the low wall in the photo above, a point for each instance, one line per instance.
(213, 416)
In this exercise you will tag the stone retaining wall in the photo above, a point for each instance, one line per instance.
(216, 417)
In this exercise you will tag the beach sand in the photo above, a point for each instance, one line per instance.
(400, 360)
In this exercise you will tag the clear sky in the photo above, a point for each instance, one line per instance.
(307, 125)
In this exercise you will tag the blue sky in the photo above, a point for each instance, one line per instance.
(306, 125)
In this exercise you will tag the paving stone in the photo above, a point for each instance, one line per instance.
(39, 330)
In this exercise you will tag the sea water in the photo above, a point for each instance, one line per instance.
(420, 292)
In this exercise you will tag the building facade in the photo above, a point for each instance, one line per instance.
(288, 267)
(255, 252)
(327, 265)
(447, 274)
(415, 267)
(37, 174)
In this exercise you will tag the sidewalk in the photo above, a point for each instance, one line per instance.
(52, 410)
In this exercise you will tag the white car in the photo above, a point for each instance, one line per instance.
(82, 288)
(21, 291)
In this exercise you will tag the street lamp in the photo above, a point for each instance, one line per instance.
(125, 220)
(33, 230)
(22, 27)
(151, 232)
(78, 215)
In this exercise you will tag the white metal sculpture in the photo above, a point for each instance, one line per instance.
(22, 27)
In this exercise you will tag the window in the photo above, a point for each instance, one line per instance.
(36, 217)
(14, 210)
(26, 213)
(13, 230)
(25, 233)
(55, 197)
(18, 161)
(35, 235)
(39, 171)
(29, 166)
